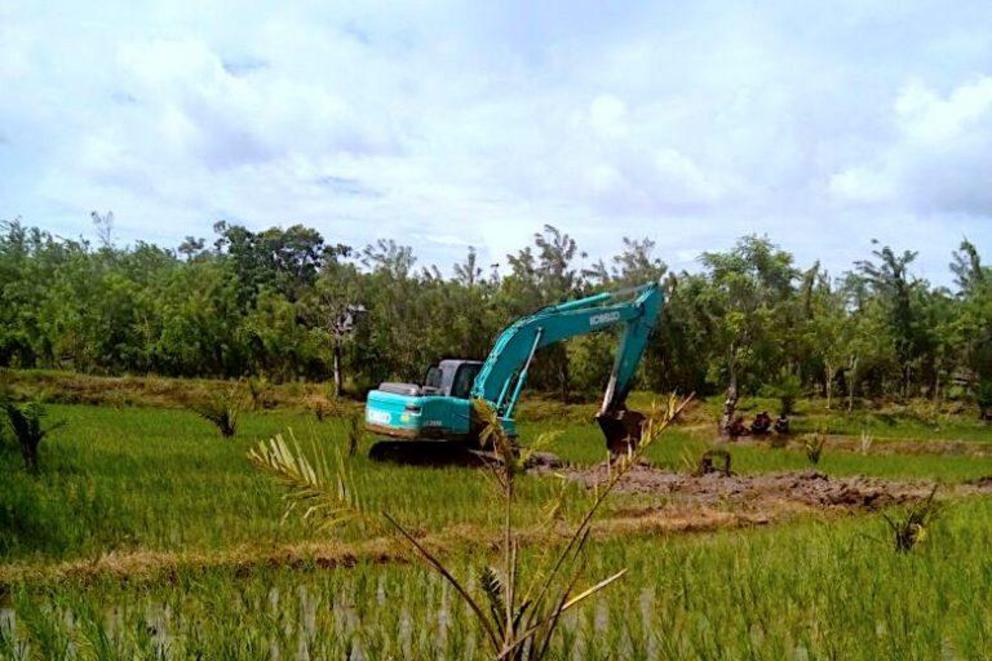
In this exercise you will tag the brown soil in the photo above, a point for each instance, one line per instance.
(880, 446)
(770, 493)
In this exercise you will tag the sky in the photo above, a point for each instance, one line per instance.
(448, 125)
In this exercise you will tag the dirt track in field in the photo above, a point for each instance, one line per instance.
(772, 493)
(889, 446)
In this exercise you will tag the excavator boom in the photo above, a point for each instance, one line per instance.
(503, 374)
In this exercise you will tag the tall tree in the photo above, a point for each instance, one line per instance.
(747, 289)
(890, 279)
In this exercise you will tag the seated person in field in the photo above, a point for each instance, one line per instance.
(762, 424)
(782, 424)
(737, 428)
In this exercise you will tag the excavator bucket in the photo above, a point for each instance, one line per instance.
(622, 429)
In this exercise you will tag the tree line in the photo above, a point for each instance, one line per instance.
(287, 304)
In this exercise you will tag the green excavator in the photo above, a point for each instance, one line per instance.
(430, 423)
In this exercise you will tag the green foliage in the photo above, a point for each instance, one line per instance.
(285, 304)
(523, 615)
(984, 398)
(911, 528)
(787, 389)
(26, 424)
(223, 408)
(813, 444)
(845, 598)
(260, 392)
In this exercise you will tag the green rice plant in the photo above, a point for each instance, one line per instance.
(911, 528)
(865, 442)
(687, 461)
(841, 601)
(149, 478)
(223, 408)
(356, 430)
(813, 445)
(519, 617)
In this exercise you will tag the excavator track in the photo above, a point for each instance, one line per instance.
(421, 452)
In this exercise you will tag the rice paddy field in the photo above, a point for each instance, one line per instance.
(147, 535)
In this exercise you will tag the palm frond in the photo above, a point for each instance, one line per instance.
(309, 487)
(492, 587)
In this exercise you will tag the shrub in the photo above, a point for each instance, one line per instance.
(320, 406)
(26, 423)
(223, 409)
(814, 446)
(786, 390)
(983, 398)
(866, 441)
(260, 391)
(910, 529)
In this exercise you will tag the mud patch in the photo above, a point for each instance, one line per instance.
(770, 491)
(983, 483)
(880, 446)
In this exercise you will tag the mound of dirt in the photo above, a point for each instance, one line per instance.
(810, 489)
(982, 483)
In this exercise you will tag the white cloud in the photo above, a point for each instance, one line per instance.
(607, 115)
(939, 160)
(821, 127)
(862, 185)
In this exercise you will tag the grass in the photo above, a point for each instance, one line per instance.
(757, 594)
(162, 479)
(147, 480)
(917, 420)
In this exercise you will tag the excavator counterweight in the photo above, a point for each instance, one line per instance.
(429, 422)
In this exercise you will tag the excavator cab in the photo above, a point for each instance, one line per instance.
(438, 409)
(429, 424)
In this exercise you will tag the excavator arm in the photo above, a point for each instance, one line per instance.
(504, 372)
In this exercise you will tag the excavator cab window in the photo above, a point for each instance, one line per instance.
(432, 383)
(464, 378)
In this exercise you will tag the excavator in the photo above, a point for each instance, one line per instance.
(433, 423)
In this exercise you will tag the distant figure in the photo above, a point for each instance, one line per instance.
(737, 428)
(782, 425)
(762, 424)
